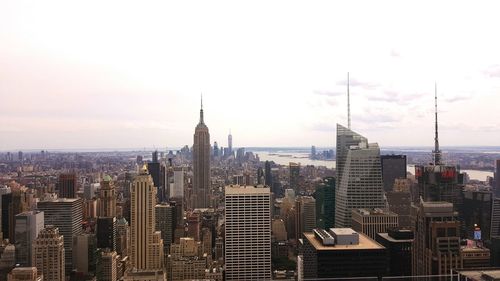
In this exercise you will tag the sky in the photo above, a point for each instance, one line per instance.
(129, 74)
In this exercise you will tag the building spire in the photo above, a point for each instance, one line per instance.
(201, 109)
(436, 153)
(348, 104)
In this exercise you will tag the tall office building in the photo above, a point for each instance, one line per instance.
(436, 248)
(122, 237)
(393, 167)
(201, 164)
(373, 221)
(106, 232)
(85, 249)
(107, 198)
(477, 213)
(360, 176)
(108, 266)
(7, 214)
(294, 177)
(155, 171)
(497, 178)
(165, 223)
(177, 189)
(49, 254)
(325, 203)
(65, 214)
(146, 246)
(248, 233)
(305, 215)
(67, 185)
(398, 242)
(268, 174)
(495, 218)
(230, 143)
(27, 226)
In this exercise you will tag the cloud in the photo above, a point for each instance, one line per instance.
(353, 82)
(395, 53)
(323, 127)
(328, 93)
(457, 99)
(493, 71)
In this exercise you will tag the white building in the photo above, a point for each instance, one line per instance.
(248, 233)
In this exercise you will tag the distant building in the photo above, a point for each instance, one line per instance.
(108, 266)
(360, 176)
(325, 203)
(399, 201)
(342, 253)
(201, 164)
(398, 242)
(185, 261)
(474, 255)
(497, 178)
(27, 227)
(477, 214)
(373, 221)
(393, 167)
(305, 215)
(67, 185)
(85, 259)
(107, 198)
(48, 254)
(294, 180)
(248, 233)
(165, 223)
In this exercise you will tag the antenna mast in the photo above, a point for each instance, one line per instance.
(348, 104)
(436, 152)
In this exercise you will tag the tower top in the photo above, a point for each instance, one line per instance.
(201, 109)
(437, 152)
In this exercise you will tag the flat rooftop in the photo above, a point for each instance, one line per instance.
(365, 243)
(246, 189)
(391, 239)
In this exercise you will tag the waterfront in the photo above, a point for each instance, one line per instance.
(285, 158)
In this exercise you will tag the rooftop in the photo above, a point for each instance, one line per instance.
(365, 243)
(248, 189)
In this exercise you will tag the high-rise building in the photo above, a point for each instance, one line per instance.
(146, 246)
(165, 223)
(24, 274)
(325, 203)
(48, 254)
(106, 232)
(268, 175)
(398, 242)
(436, 248)
(477, 214)
(186, 260)
(67, 185)
(248, 233)
(497, 178)
(201, 164)
(341, 253)
(373, 221)
(230, 143)
(399, 200)
(155, 171)
(360, 176)
(216, 149)
(177, 190)
(7, 213)
(122, 237)
(108, 266)
(305, 215)
(65, 214)
(107, 198)
(86, 253)
(27, 226)
(294, 180)
(393, 167)
(495, 218)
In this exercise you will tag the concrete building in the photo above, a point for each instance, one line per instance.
(49, 254)
(85, 249)
(122, 237)
(341, 253)
(177, 189)
(398, 242)
(360, 176)
(201, 164)
(65, 214)
(436, 248)
(165, 223)
(186, 260)
(107, 198)
(373, 221)
(24, 274)
(146, 246)
(400, 203)
(305, 215)
(27, 226)
(248, 233)
(108, 266)
(474, 255)
(294, 176)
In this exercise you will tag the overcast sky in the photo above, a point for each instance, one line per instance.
(120, 74)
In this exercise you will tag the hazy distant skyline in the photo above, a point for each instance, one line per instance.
(128, 74)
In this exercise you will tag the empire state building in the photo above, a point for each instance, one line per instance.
(201, 164)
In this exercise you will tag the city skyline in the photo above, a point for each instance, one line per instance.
(139, 86)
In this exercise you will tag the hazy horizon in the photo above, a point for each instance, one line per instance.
(110, 74)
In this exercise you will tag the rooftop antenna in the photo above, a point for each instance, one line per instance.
(201, 109)
(348, 104)
(436, 153)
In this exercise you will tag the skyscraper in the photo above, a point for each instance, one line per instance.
(373, 221)
(360, 176)
(393, 167)
(146, 246)
(107, 198)
(497, 178)
(305, 215)
(65, 214)
(294, 169)
(165, 223)
(201, 164)
(67, 185)
(248, 233)
(49, 255)
(230, 143)
(27, 226)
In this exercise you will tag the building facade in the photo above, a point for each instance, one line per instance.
(201, 164)
(27, 226)
(49, 254)
(373, 221)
